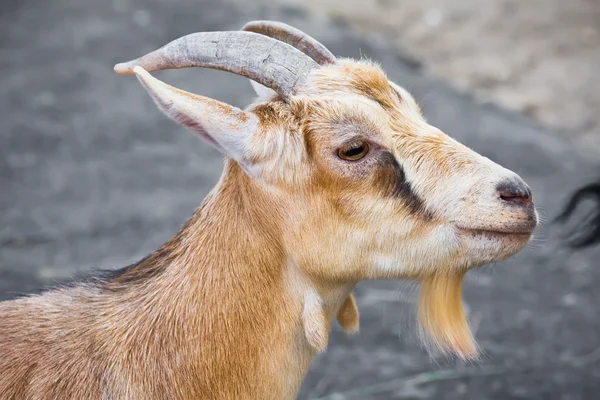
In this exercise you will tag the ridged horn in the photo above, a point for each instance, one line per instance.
(268, 61)
(294, 37)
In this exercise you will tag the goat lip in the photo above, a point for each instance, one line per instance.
(494, 232)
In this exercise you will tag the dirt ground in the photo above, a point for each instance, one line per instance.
(539, 57)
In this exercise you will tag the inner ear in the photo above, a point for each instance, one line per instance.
(227, 128)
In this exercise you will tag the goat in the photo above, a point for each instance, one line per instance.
(331, 177)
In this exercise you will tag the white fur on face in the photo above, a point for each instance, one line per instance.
(456, 185)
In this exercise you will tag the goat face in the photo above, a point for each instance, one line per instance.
(377, 192)
(362, 186)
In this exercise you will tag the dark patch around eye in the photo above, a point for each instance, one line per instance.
(392, 180)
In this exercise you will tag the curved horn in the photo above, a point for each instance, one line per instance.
(294, 37)
(272, 63)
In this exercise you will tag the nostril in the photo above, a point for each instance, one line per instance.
(524, 199)
(517, 193)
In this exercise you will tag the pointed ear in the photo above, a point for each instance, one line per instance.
(227, 128)
(262, 91)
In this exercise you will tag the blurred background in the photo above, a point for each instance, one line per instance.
(92, 176)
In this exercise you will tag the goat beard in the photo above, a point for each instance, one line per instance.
(441, 315)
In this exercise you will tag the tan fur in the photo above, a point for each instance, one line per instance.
(347, 316)
(194, 331)
(316, 325)
(442, 317)
(235, 305)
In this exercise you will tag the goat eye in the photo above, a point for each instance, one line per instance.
(353, 151)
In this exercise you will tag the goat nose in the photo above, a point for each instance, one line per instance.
(516, 192)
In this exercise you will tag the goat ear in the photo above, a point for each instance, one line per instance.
(262, 91)
(227, 128)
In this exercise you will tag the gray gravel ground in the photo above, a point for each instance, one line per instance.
(93, 176)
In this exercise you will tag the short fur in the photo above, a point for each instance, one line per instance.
(235, 305)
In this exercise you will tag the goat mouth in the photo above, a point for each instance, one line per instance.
(495, 233)
(483, 246)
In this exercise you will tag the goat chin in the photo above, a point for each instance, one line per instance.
(441, 316)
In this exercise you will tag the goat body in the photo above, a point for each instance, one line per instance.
(333, 176)
(205, 316)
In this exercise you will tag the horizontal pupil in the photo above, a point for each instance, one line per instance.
(354, 152)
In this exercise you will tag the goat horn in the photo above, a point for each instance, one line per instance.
(294, 37)
(272, 63)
